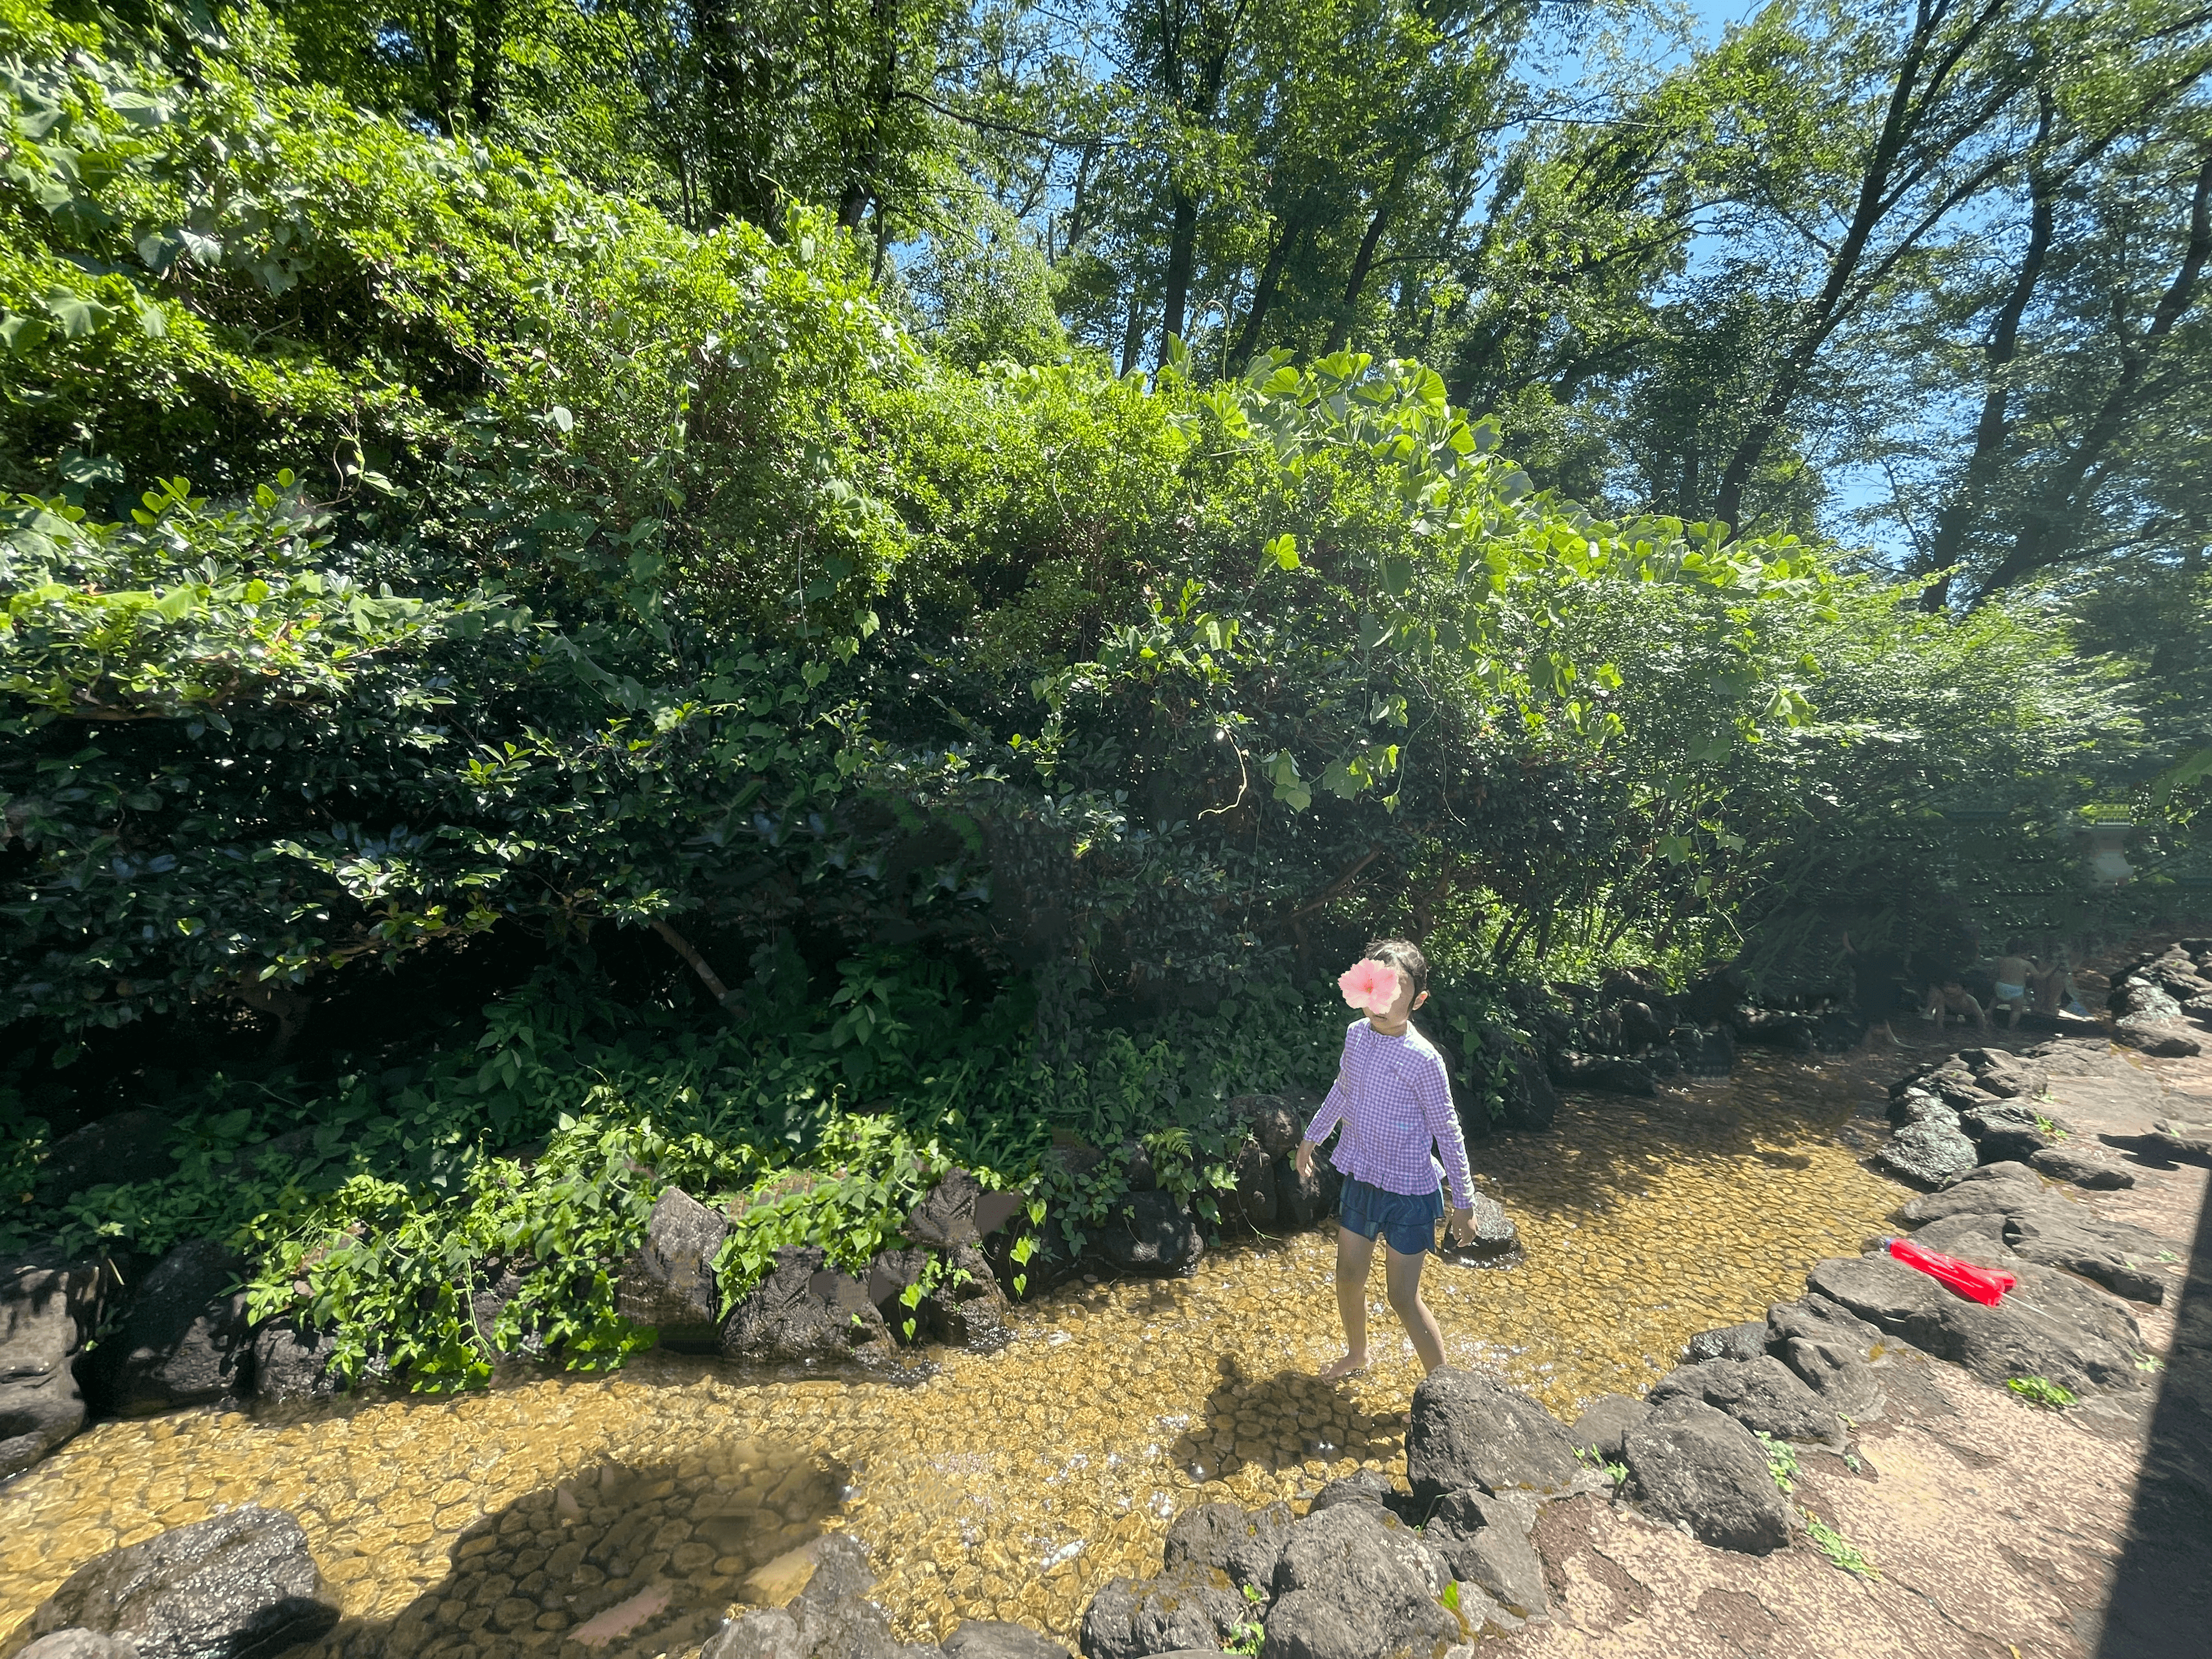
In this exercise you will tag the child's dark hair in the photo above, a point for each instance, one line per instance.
(1403, 955)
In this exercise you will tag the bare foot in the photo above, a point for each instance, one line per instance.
(1343, 1368)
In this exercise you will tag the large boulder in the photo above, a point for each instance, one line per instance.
(1994, 1188)
(1831, 1351)
(668, 1281)
(238, 1585)
(48, 1305)
(129, 1146)
(1702, 1468)
(291, 1362)
(2074, 1335)
(966, 1306)
(1151, 1232)
(1744, 1341)
(1133, 1619)
(1275, 1122)
(1763, 1394)
(1486, 1541)
(1598, 1431)
(184, 1342)
(1933, 1152)
(2063, 1163)
(1221, 1538)
(1253, 1202)
(805, 1311)
(2005, 1075)
(1301, 1200)
(1472, 1433)
(958, 1210)
(1356, 1583)
(2158, 1039)
(1704, 1053)
(2124, 1259)
(2004, 1131)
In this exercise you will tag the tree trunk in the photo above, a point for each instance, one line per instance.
(1362, 262)
(1133, 340)
(1183, 253)
(2051, 527)
(1263, 294)
(487, 49)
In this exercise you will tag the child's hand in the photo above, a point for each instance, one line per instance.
(1305, 1160)
(1461, 1229)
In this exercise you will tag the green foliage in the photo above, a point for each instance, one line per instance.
(2042, 1391)
(1838, 1548)
(1781, 1460)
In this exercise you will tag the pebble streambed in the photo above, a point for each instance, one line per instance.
(622, 1517)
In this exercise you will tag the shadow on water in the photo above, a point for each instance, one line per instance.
(616, 1562)
(2160, 1606)
(1280, 1421)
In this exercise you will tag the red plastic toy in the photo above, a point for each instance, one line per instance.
(1983, 1284)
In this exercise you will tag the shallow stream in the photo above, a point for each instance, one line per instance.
(620, 1517)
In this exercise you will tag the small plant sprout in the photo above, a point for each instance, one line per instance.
(2042, 1391)
(1780, 1460)
(1245, 1638)
(1838, 1548)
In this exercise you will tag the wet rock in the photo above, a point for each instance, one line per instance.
(1132, 1619)
(290, 1363)
(1999, 1187)
(1933, 1152)
(2123, 1258)
(1694, 1464)
(1610, 1072)
(79, 1644)
(1470, 1433)
(1301, 1200)
(1496, 1241)
(1253, 1200)
(668, 1281)
(993, 1639)
(1486, 1541)
(48, 1306)
(184, 1342)
(1355, 1583)
(2058, 1163)
(1744, 1341)
(1917, 1105)
(1274, 1122)
(1151, 1232)
(1223, 1538)
(967, 1307)
(1604, 1420)
(1831, 1351)
(1704, 1053)
(764, 1633)
(1772, 1028)
(129, 1146)
(238, 1585)
(805, 1311)
(2076, 1334)
(1763, 1394)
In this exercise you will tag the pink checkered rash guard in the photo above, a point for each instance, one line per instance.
(1394, 1099)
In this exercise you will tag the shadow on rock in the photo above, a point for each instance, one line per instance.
(616, 1562)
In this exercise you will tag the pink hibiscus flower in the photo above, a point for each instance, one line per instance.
(1369, 984)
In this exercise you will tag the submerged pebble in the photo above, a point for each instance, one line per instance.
(571, 1517)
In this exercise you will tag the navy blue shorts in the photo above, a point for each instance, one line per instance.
(1407, 1222)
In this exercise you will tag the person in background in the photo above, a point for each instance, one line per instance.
(2013, 972)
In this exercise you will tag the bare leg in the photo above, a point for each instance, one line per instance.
(1402, 1273)
(1354, 1256)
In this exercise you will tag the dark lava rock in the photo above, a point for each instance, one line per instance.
(238, 1585)
(1772, 1027)
(1744, 1341)
(1150, 1232)
(2076, 1334)
(1763, 1394)
(1371, 1487)
(1470, 1433)
(2158, 1041)
(1274, 1122)
(48, 1306)
(967, 1307)
(1530, 1102)
(1999, 1187)
(958, 1210)
(2001, 1074)
(1486, 1541)
(293, 1363)
(79, 1644)
(184, 1342)
(1694, 1464)
(668, 1281)
(2123, 1258)
(1138, 1174)
(126, 1147)
(1255, 1200)
(891, 1274)
(1355, 1583)
(2179, 1141)
(1917, 1105)
(1132, 1619)
(1497, 1241)
(1599, 1430)
(994, 1639)
(805, 1311)
(1223, 1538)
(1703, 1052)
(2004, 1132)
(1610, 1072)
(1833, 1352)
(1933, 1152)
(2058, 1163)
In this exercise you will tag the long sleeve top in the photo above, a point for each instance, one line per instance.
(1393, 1097)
